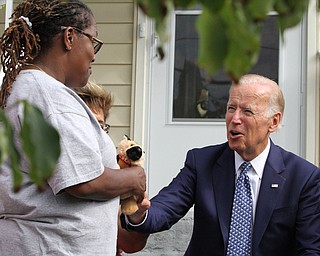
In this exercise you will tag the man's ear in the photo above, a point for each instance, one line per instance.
(275, 122)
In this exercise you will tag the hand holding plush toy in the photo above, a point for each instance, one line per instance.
(129, 154)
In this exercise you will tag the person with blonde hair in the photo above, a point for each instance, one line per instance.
(98, 100)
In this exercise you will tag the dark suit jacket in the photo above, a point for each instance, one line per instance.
(287, 218)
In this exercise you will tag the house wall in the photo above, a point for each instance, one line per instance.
(114, 63)
(2, 17)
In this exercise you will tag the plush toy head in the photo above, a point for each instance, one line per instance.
(129, 153)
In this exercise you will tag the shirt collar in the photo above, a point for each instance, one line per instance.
(257, 163)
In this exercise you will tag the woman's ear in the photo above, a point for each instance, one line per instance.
(68, 38)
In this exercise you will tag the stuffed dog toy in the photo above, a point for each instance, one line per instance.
(129, 154)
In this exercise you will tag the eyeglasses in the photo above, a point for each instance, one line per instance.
(97, 44)
(104, 126)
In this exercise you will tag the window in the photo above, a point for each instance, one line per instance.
(198, 97)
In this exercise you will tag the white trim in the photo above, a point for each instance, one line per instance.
(140, 107)
(312, 85)
(9, 9)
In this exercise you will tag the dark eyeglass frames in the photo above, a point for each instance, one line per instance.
(97, 44)
(104, 126)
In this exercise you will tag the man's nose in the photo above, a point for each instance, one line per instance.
(236, 116)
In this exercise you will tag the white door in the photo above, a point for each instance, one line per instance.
(171, 134)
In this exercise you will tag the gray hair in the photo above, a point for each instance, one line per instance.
(276, 99)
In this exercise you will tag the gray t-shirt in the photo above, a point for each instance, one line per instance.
(52, 222)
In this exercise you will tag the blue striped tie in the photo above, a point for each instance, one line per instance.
(239, 243)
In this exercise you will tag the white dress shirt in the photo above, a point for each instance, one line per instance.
(255, 173)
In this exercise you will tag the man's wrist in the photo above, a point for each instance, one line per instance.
(127, 218)
(129, 226)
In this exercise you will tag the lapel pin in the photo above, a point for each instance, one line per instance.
(274, 185)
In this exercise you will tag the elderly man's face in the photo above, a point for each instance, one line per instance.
(248, 127)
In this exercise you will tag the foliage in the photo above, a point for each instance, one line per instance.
(229, 30)
(40, 143)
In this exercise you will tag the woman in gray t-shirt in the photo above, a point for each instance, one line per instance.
(77, 213)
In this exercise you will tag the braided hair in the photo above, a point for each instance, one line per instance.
(34, 25)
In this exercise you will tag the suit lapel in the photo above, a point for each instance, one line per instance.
(270, 189)
(223, 187)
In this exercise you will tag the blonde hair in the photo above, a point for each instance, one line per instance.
(96, 97)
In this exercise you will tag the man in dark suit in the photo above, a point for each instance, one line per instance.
(284, 189)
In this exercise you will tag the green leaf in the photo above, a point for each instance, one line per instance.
(244, 41)
(185, 3)
(41, 144)
(290, 12)
(213, 42)
(156, 9)
(9, 151)
(281, 7)
(259, 9)
(4, 142)
(288, 21)
(212, 5)
(159, 11)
